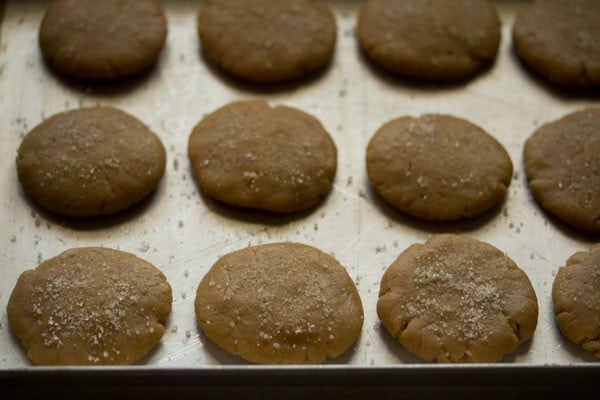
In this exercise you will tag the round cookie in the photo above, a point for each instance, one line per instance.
(576, 298)
(437, 40)
(249, 154)
(455, 299)
(565, 51)
(562, 163)
(102, 40)
(438, 167)
(281, 303)
(90, 161)
(267, 41)
(90, 306)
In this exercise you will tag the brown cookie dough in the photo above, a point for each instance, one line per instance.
(249, 154)
(436, 40)
(576, 297)
(438, 167)
(102, 40)
(281, 303)
(562, 162)
(90, 306)
(455, 299)
(267, 41)
(560, 40)
(90, 161)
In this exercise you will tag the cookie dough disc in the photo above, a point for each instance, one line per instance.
(102, 39)
(90, 161)
(566, 50)
(562, 162)
(281, 303)
(455, 299)
(437, 40)
(90, 306)
(438, 167)
(267, 41)
(576, 297)
(251, 155)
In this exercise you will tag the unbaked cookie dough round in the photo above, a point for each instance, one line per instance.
(90, 306)
(249, 154)
(560, 40)
(456, 299)
(576, 297)
(438, 167)
(102, 39)
(437, 40)
(280, 303)
(90, 161)
(267, 41)
(562, 162)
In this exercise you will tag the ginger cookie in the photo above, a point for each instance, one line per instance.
(438, 167)
(267, 41)
(562, 162)
(281, 303)
(456, 299)
(102, 40)
(90, 161)
(576, 297)
(90, 306)
(249, 154)
(566, 50)
(436, 40)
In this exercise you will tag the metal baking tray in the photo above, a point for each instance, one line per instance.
(183, 232)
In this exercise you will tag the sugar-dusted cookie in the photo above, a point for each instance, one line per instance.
(102, 39)
(281, 303)
(576, 297)
(560, 40)
(249, 154)
(90, 161)
(436, 40)
(267, 41)
(90, 306)
(455, 299)
(562, 162)
(438, 167)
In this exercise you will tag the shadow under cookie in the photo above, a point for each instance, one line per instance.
(399, 81)
(89, 224)
(560, 92)
(251, 215)
(464, 225)
(310, 78)
(107, 89)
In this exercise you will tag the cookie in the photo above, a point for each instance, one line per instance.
(249, 154)
(565, 51)
(563, 168)
(280, 303)
(455, 299)
(438, 167)
(102, 40)
(90, 306)
(576, 298)
(267, 41)
(436, 40)
(90, 161)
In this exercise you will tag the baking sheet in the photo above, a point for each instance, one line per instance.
(183, 233)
